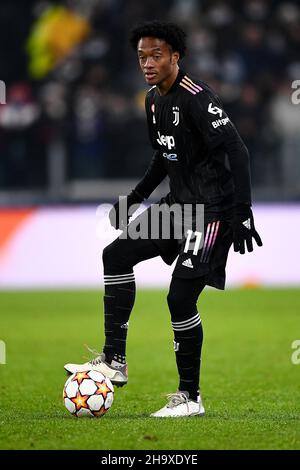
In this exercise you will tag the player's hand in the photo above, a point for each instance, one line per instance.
(244, 229)
(123, 209)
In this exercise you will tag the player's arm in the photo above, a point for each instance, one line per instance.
(243, 221)
(152, 178)
(217, 130)
(154, 175)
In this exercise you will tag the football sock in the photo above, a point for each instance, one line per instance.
(118, 302)
(188, 332)
(118, 260)
(188, 338)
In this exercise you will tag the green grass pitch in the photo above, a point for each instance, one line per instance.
(249, 385)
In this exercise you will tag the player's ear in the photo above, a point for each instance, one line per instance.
(175, 58)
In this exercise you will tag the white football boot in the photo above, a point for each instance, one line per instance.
(179, 405)
(116, 372)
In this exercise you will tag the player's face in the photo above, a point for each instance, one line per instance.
(157, 60)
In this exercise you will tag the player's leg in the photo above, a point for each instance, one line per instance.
(194, 269)
(119, 258)
(188, 332)
(188, 338)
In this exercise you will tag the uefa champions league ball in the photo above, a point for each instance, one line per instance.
(88, 394)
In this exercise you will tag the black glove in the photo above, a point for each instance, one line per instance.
(121, 211)
(244, 229)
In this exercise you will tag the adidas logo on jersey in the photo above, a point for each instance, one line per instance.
(188, 263)
(247, 224)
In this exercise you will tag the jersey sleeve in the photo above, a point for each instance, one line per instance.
(208, 117)
(154, 175)
(156, 171)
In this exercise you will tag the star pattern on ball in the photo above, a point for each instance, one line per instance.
(101, 412)
(102, 389)
(80, 401)
(80, 376)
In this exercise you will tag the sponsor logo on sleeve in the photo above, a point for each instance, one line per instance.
(220, 122)
(214, 110)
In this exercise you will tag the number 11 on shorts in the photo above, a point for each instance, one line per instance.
(198, 236)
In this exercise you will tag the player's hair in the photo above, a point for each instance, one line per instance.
(169, 32)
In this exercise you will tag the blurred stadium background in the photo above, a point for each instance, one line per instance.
(73, 133)
(73, 137)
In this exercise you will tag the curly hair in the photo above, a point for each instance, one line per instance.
(169, 32)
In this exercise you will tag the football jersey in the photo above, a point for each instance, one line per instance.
(193, 137)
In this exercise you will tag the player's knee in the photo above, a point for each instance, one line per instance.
(179, 303)
(107, 255)
(171, 299)
(110, 257)
(115, 260)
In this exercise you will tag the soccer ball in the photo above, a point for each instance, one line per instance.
(88, 394)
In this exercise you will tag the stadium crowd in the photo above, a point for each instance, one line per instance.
(88, 102)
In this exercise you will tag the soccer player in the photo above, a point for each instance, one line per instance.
(197, 146)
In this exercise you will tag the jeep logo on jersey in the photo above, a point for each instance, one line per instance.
(176, 115)
(214, 110)
(166, 140)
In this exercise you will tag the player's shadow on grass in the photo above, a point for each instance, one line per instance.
(61, 415)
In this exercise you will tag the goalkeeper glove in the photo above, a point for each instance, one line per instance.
(244, 229)
(122, 210)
